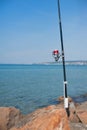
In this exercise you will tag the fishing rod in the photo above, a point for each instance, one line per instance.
(66, 104)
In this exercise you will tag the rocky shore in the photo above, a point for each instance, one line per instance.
(53, 117)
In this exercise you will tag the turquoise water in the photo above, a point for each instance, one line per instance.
(29, 87)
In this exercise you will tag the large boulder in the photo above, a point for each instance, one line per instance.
(9, 116)
(78, 126)
(49, 118)
(73, 115)
(82, 112)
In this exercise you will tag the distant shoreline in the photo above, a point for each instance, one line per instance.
(49, 63)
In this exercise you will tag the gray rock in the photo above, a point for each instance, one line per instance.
(78, 126)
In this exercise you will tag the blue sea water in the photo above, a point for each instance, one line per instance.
(29, 87)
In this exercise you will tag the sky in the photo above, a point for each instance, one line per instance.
(29, 30)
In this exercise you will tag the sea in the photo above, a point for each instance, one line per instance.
(32, 86)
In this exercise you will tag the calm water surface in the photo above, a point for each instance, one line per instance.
(29, 87)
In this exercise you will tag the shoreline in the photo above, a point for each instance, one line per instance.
(77, 99)
(80, 99)
(76, 62)
(46, 118)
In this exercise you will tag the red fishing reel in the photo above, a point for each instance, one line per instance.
(56, 55)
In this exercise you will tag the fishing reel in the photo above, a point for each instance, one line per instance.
(56, 55)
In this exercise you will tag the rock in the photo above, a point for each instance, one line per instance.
(73, 116)
(61, 99)
(77, 126)
(9, 116)
(83, 116)
(82, 112)
(78, 113)
(49, 118)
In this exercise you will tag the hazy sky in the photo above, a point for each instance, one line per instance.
(29, 30)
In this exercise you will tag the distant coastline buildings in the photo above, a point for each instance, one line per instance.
(60, 62)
